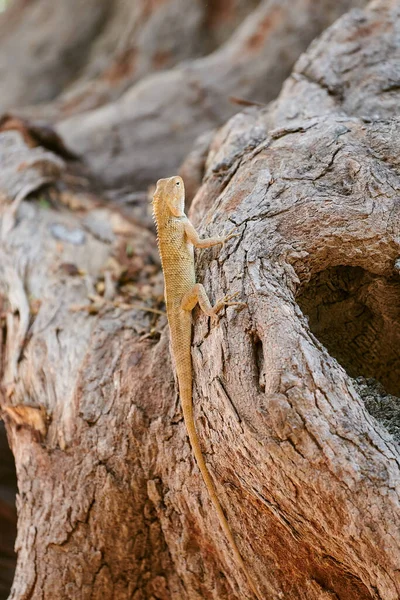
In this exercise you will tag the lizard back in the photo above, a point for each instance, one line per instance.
(177, 260)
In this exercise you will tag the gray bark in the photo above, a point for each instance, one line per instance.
(111, 504)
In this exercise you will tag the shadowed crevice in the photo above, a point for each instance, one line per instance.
(356, 316)
(258, 351)
(8, 515)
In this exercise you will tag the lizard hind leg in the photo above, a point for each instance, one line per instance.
(199, 295)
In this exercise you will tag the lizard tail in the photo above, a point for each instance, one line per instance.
(187, 409)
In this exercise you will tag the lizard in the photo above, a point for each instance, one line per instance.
(176, 238)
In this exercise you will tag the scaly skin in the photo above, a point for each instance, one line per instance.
(176, 238)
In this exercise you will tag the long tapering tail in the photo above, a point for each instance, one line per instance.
(187, 409)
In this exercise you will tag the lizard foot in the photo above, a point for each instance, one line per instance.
(225, 301)
(233, 233)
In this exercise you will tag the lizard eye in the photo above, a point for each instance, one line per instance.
(177, 183)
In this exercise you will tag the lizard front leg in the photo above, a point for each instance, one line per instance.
(197, 241)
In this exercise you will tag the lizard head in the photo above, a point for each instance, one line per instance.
(171, 191)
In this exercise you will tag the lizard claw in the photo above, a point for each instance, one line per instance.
(233, 233)
(226, 301)
(229, 297)
(214, 318)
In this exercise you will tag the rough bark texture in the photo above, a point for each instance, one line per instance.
(110, 503)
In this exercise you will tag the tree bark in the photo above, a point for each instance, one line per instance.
(300, 436)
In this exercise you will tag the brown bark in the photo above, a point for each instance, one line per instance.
(111, 504)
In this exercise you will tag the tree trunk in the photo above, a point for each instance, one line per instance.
(295, 395)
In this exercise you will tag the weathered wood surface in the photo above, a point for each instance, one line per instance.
(111, 504)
